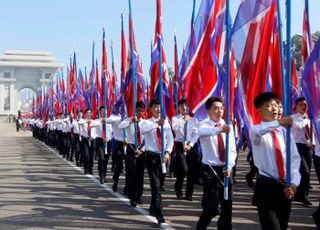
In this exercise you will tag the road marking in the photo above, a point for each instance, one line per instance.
(107, 188)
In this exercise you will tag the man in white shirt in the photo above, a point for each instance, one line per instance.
(118, 151)
(135, 155)
(187, 158)
(151, 130)
(301, 133)
(212, 134)
(273, 195)
(103, 144)
(86, 147)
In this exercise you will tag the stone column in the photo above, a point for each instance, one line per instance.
(13, 98)
(1, 97)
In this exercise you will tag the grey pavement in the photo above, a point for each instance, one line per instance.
(40, 190)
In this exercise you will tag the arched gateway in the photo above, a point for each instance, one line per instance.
(20, 70)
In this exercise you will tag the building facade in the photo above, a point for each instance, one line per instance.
(23, 70)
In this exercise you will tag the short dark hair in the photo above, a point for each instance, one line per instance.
(154, 101)
(262, 98)
(101, 107)
(140, 104)
(212, 100)
(88, 109)
(182, 101)
(299, 99)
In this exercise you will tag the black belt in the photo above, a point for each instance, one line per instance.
(273, 180)
(152, 153)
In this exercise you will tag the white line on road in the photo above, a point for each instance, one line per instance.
(107, 188)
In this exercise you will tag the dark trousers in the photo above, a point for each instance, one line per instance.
(117, 158)
(186, 165)
(153, 164)
(213, 193)
(273, 207)
(305, 165)
(102, 156)
(87, 152)
(59, 140)
(66, 145)
(135, 168)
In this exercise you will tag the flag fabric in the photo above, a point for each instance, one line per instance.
(310, 84)
(255, 36)
(199, 67)
(307, 43)
(133, 66)
(154, 90)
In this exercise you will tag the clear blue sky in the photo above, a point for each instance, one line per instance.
(60, 26)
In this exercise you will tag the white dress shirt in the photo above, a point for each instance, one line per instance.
(115, 120)
(84, 128)
(299, 128)
(264, 154)
(75, 126)
(128, 125)
(148, 129)
(208, 136)
(97, 125)
(178, 127)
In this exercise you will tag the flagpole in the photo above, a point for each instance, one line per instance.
(134, 80)
(227, 88)
(288, 89)
(176, 77)
(161, 101)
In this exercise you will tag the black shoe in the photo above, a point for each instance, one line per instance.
(162, 189)
(161, 220)
(316, 219)
(90, 172)
(115, 187)
(101, 180)
(85, 171)
(139, 201)
(104, 179)
(305, 201)
(179, 196)
(133, 203)
(249, 182)
(189, 198)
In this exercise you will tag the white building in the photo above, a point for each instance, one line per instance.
(20, 70)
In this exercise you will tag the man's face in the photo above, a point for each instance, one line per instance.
(183, 108)
(301, 107)
(216, 111)
(102, 114)
(269, 111)
(140, 112)
(88, 114)
(155, 110)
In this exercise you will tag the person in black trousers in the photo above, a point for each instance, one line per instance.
(135, 157)
(151, 130)
(212, 133)
(273, 194)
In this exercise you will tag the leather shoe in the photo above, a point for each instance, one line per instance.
(189, 198)
(179, 196)
(161, 220)
(249, 182)
(115, 187)
(139, 201)
(316, 219)
(101, 180)
(133, 203)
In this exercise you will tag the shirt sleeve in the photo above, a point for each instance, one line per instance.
(147, 126)
(125, 123)
(257, 131)
(205, 130)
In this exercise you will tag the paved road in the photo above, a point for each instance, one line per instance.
(40, 190)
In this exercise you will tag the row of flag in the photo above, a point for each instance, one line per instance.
(254, 60)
